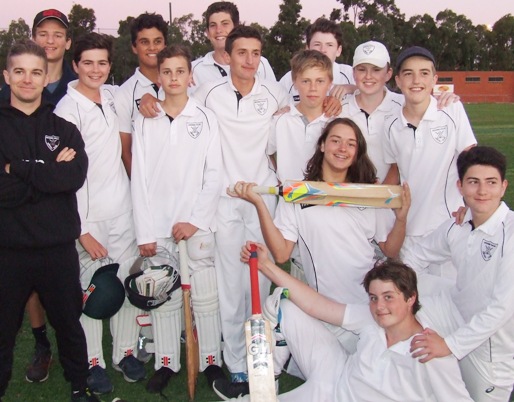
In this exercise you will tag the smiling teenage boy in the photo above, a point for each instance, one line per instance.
(220, 19)
(149, 35)
(423, 143)
(482, 251)
(327, 37)
(50, 31)
(180, 149)
(104, 202)
(295, 133)
(372, 101)
(382, 368)
(244, 105)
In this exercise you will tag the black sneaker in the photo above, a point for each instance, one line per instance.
(38, 369)
(84, 396)
(159, 380)
(227, 390)
(133, 370)
(213, 373)
(98, 381)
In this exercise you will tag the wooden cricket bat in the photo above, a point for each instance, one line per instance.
(192, 351)
(337, 194)
(258, 344)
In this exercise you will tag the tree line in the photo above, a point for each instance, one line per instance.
(456, 43)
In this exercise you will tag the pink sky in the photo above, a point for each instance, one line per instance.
(265, 12)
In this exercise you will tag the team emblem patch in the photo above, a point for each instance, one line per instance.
(439, 134)
(112, 106)
(368, 49)
(487, 249)
(194, 129)
(52, 142)
(261, 106)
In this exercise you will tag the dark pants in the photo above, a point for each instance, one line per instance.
(53, 273)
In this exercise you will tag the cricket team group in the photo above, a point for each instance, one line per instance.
(407, 304)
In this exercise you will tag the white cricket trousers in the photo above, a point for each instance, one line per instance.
(237, 223)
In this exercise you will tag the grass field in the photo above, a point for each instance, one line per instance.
(493, 125)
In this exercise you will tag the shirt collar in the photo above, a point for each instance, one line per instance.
(430, 113)
(491, 225)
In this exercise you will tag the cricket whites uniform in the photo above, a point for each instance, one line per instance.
(372, 125)
(484, 295)
(244, 131)
(128, 97)
(294, 141)
(374, 372)
(105, 209)
(335, 260)
(206, 69)
(176, 177)
(426, 158)
(343, 75)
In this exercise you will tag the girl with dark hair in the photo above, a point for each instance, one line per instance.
(334, 242)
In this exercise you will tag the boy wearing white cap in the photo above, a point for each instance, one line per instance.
(372, 101)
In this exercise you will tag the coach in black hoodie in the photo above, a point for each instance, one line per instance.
(42, 165)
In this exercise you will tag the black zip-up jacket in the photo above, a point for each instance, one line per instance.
(52, 97)
(38, 206)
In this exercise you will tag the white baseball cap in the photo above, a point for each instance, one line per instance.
(372, 53)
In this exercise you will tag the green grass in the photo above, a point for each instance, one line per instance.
(55, 389)
(493, 125)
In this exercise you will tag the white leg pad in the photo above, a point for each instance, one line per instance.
(93, 331)
(204, 294)
(166, 332)
(125, 331)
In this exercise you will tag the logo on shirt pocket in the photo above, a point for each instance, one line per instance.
(439, 134)
(487, 249)
(194, 129)
(52, 142)
(261, 106)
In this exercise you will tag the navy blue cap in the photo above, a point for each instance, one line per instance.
(411, 52)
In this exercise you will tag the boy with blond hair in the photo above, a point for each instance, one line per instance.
(294, 134)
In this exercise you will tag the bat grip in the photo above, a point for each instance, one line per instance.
(254, 280)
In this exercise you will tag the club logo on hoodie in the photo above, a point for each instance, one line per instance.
(52, 142)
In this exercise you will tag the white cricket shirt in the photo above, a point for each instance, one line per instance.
(484, 289)
(176, 174)
(128, 97)
(372, 126)
(244, 127)
(426, 158)
(378, 373)
(334, 244)
(106, 193)
(294, 140)
(206, 69)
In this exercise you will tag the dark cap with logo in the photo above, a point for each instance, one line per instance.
(51, 13)
(411, 52)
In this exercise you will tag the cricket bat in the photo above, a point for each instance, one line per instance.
(259, 357)
(192, 351)
(337, 194)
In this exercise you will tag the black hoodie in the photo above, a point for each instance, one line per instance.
(38, 206)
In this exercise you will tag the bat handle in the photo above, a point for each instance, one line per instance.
(183, 262)
(254, 280)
